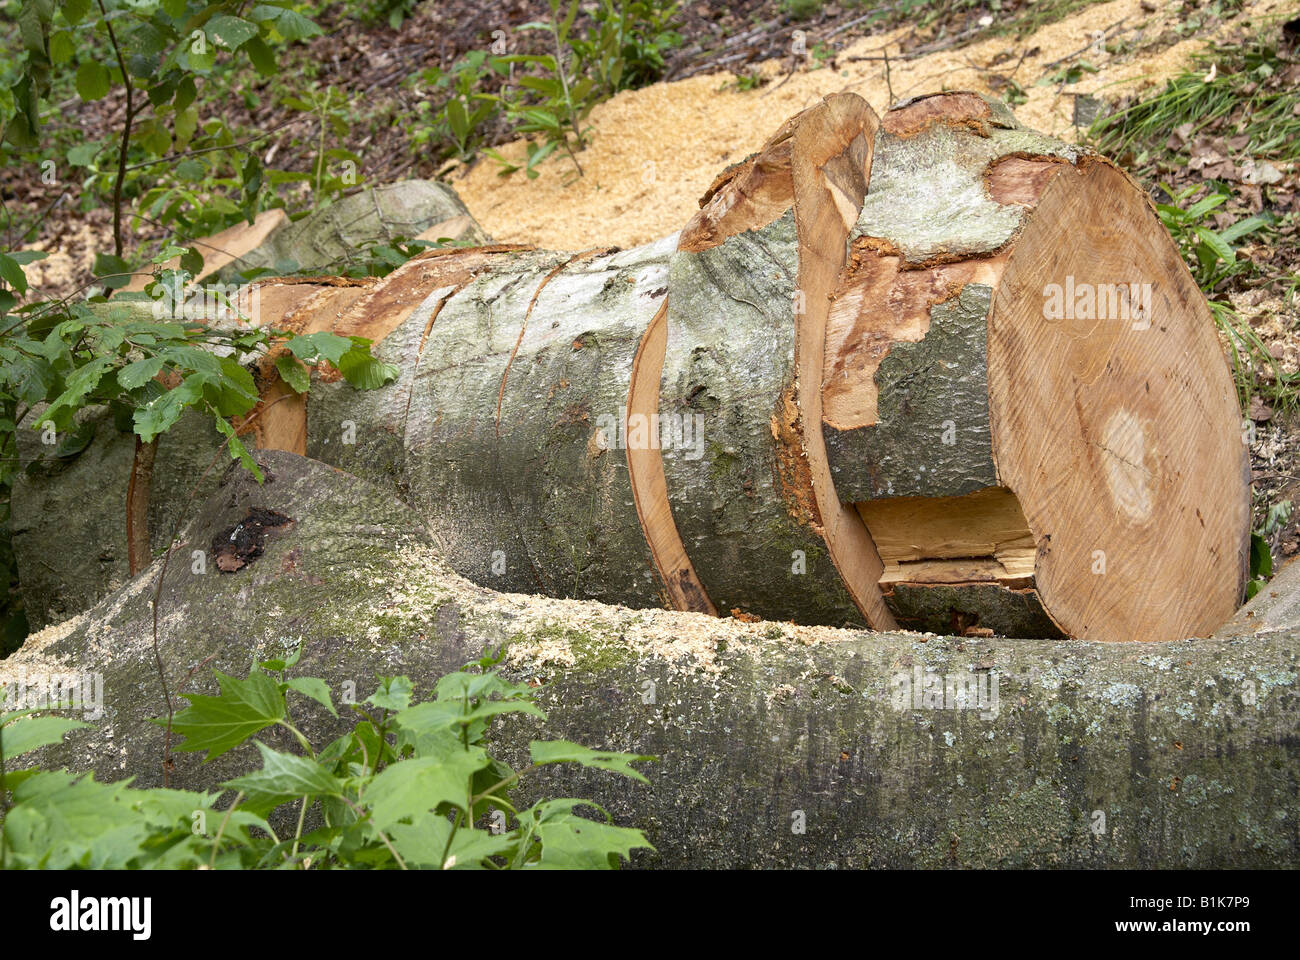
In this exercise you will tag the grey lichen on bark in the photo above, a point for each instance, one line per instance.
(451, 473)
(931, 438)
(928, 196)
(327, 240)
(561, 449)
(752, 548)
(364, 431)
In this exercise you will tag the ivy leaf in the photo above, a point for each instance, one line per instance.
(283, 777)
(563, 751)
(220, 723)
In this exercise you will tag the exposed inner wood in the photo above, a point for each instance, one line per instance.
(955, 109)
(279, 421)
(1015, 572)
(748, 197)
(224, 248)
(876, 304)
(833, 147)
(1018, 179)
(1142, 462)
(986, 523)
(137, 505)
(649, 485)
(981, 537)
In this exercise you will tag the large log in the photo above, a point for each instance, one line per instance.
(1024, 393)
(819, 402)
(1059, 754)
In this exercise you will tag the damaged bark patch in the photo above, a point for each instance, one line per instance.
(236, 547)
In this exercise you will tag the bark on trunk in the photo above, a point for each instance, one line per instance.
(807, 406)
(891, 750)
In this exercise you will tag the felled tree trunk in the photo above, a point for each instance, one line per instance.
(809, 405)
(880, 749)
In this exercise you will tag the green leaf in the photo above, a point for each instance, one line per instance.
(236, 447)
(61, 46)
(1261, 557)
(220, 723)
(235, 393)
(60, 820)
(24, 257)
(293, 373)
(78, 384)
(158, 415)
(364, 371)
(32, 733)
(393, 693)
(138, 373)
(92, 80)
(421, 842)
(276, 665)
(13, 273)
(283, 777)
(112, 271)
(294, 26)
(413, 787)
(83, 155)
(230, 32)
(315, 688)
(1244, 226)
(322, 344)
(262, 57)
(30, 378)
(570, 842)
(76, 440)
(563, 751)
(1216, 244)
(74, 11)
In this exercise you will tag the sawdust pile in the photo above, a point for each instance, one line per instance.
(656, 150)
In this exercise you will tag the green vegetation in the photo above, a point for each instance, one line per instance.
(411, 786)
(1243, 94)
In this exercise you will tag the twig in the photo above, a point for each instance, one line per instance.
(126, 136)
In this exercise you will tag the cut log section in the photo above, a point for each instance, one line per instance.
(1024, 395)
(748, 482)
(981, 396)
